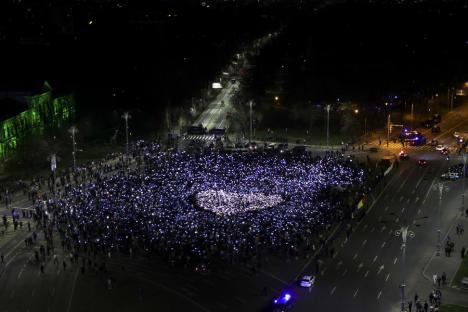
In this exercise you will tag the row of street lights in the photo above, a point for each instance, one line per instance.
(73, 130)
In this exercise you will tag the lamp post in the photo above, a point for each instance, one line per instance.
(328, 125)
(441, 188)
(404, 232)
(73, 131)
(388, 132)
(465, 158)
(250, 111)
(126, 116)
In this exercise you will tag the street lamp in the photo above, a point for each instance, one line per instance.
(465, 158)
(404, 232)
(73, 131)
(250, 106)
(126, 116)
(328, 124)
(441, 188)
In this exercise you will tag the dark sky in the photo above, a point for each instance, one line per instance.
(140, 57)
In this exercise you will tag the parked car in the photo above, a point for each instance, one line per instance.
(450, 176)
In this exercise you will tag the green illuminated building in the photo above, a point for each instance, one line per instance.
(45, 111)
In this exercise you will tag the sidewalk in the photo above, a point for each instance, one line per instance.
(449, 265)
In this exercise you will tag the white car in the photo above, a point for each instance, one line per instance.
(307, 281)
(440, 147)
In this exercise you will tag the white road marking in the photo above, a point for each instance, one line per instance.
(364, 242)
(373, 229)
(388, 275)
(394, 261)
(407, 201)
(380, 269)
(402, 209)
(380, 294)
(397, 220)
(332, 291)
(383, 245)
(416, 200)
(419, 211)
(355, 256)
(375, 258)
(386, 208)
(344, 273)
(339, 264)
(367, 273)
(360, 266)
(390, 232)
(413, 191)
(383, 229)
(355, 293)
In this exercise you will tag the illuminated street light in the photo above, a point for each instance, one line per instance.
(73, 131)
(441, 188)
(276, 98)
(356, 111)
(126, 116)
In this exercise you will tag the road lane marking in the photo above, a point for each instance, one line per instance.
(383, 229)
(394, 261)
(386, 208)
(360, 266)
(416, 200)
(380, 269)
(367, 273)
(364, 242)
(380, 294)
(407, 201)
(344, 273)
(419, 211)
(413, 191)
(375, 258)
(388, 275)
(383, 245)
(355, 256)
(403, 209)
(339, 264)
(373, 229)
(355, 293)
(332, 291)
(397, 220)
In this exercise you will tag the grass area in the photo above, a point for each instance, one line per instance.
(453, 308)
(462, 272)
(313, 137)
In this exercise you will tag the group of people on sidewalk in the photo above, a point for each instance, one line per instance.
(431, 305)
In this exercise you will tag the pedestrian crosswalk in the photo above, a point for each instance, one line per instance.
(200, 137)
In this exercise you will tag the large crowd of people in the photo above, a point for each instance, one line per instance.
(205, 208)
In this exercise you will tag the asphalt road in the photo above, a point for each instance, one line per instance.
(364, 274)
(214, 115)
